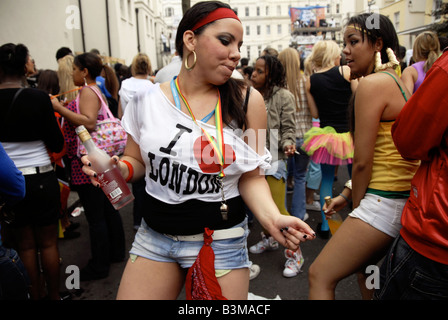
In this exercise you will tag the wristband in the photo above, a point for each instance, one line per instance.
(130, 168)
(346, 199)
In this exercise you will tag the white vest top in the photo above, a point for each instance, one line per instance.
(180, 165)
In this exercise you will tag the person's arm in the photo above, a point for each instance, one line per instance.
(409, 77)
(255, 190)
(131, 155)
(423, 121)
(12, 182)
(368, 110)
(89, 106)
(288, 124)
(51, 131)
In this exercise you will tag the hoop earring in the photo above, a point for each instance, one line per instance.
(85, 81)
(194, 61)
(393, 62)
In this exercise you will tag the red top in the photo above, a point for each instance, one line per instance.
(420, 132)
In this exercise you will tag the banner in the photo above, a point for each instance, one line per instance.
(307, 16)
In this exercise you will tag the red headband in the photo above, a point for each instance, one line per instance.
(220, 13)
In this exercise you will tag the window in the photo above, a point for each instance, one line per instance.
(337, 7)
(279, 10)
(279, 29)
(258, 11)
(248, 52)
(259, 51)
(258, 30)
(268, 29)
(169, 12)
(247, 11)
(267, 10)
(122, 9)
(130, 10)
(147, 25)
(247, 30)
(397, 21)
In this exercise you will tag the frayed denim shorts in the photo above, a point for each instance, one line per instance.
(381, 213)
(229, 253)
(278, 170)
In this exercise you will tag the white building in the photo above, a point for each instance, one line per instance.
(117, 28)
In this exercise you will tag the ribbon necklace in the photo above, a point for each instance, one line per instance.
(217, 144)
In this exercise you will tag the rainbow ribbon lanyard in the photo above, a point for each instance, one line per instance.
(218, 143)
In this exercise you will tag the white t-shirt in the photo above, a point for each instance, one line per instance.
(129, 87)
(178, 166)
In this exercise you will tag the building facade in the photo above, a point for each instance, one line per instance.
(118, 29)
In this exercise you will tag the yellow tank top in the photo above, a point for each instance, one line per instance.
(390, 172)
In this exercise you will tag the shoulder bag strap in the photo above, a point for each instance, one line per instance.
(107, 114)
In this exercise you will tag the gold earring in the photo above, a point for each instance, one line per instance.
(85, 81)
(393, 62)
(194, 61)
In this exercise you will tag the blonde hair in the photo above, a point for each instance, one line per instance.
(290, 60)
(426, 48)
(324, 54)
(141, 64)
(65, 75)
(307, 66)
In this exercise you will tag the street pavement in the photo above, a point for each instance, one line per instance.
(269, 284)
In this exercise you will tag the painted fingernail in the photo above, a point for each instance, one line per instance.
(281, 230)
(286, 228)
(95, 175)
(305, 236)
(89, 164)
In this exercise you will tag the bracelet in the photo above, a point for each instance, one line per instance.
(130, 168)
(346, 199)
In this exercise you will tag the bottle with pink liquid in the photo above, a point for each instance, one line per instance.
(111, 181)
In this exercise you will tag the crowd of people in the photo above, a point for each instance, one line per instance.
(213, 143)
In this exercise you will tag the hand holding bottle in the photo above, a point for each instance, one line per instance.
(336, 204)
(104, 171)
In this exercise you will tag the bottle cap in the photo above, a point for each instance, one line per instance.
(327, 200)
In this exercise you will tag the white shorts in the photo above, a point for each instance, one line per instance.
(381, 213)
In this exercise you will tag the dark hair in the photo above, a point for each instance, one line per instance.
(231, 91)
(111, 81)
(48, 82)
(276, 75)
(13, 59)
(385, 31)
(62, 52)
(90, 61)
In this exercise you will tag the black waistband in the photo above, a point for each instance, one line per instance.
(192, 216)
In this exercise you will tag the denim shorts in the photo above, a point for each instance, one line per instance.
(406, 274)
(278, 170)
(381, 213)
(229, 253)
(14, 281)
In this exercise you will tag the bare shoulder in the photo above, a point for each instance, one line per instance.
(256, 110)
